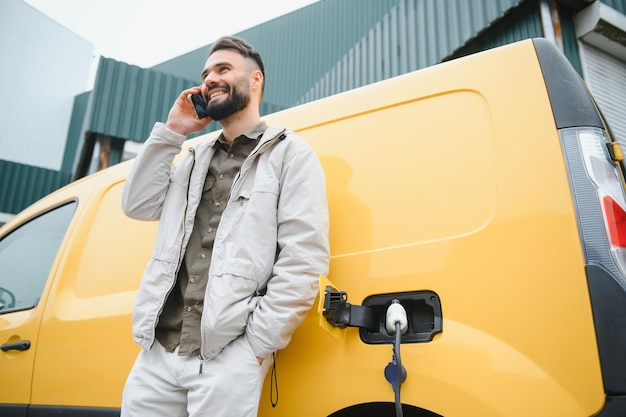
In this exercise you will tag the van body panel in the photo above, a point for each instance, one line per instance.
(451, 179)
(81, 342)
(14, 328)
(93, 301)
(514, 259)
(24, 326)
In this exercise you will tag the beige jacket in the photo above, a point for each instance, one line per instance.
(272, 238)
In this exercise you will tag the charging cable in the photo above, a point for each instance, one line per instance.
(397, 323)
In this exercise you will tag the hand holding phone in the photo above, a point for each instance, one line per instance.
(182, 119)
(199, 105)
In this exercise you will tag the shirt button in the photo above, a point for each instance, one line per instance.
(202, 255)
(210, 230)
(217, 204)
(231, 155)
(193, 279)
(187, 308)
(221, 176)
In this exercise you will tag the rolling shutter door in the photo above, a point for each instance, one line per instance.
(605, 76)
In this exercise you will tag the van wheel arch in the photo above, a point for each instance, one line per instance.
(378, 409)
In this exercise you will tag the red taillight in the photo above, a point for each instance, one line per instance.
(616, 221)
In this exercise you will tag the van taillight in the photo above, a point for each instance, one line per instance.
(598, 188)
(615, 221)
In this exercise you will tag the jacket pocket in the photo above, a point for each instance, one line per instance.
(158, 279)
(268, 186)
(229, 301)
(249, 245)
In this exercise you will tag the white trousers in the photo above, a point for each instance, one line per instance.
(163, 384)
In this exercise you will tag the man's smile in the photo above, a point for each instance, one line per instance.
(216, 93)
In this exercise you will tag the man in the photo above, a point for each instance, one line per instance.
(242, 240)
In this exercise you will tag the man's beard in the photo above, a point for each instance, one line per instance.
(238, 100)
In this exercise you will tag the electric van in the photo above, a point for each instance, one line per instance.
(478, 259)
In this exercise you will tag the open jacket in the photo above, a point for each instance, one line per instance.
(272, 238)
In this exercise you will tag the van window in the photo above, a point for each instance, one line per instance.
(26, 256)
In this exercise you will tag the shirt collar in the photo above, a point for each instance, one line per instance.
(254, 133)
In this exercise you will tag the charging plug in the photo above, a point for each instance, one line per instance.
(396, 314)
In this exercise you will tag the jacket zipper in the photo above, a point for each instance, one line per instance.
(262, 148)
(180, 249)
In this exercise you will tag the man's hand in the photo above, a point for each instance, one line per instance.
(182, 117)
(260, 360)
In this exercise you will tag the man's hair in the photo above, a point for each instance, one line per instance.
(244, 48)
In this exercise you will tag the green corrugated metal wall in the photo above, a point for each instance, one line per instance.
(297, 48)
(127, 100)
(22, 185)
(413, 34)
(522, 22)
(570, 42)
(74, 131)
(426, 30)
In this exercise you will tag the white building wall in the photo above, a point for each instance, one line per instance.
(42, 67)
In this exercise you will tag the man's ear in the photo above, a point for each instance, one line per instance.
(256, 83)
(257, 79)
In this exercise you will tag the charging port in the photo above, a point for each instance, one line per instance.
(423, 309)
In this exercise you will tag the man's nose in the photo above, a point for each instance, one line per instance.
(210, 78)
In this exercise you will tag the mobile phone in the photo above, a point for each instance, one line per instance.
(199, 105)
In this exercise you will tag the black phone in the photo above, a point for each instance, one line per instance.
(199, 105)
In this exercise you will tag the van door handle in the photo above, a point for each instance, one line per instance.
(21, 345)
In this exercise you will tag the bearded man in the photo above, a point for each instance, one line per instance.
(242, 241)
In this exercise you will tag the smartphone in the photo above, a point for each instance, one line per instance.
(199, 105)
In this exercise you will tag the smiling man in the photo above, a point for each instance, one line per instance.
(242, 240)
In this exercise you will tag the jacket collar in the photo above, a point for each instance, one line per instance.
(271, 133)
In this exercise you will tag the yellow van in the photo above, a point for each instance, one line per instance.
(478, 205)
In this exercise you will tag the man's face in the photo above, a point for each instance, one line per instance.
(226, 76)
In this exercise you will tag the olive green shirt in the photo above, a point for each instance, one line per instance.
(179, 323)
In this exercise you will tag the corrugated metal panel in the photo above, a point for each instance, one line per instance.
(521, 22)
(362, 41)
(413, 34)
(524, 22)
(297, 48)
(22, 185)
(127, 100)
(569, 39)
(74, 133)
